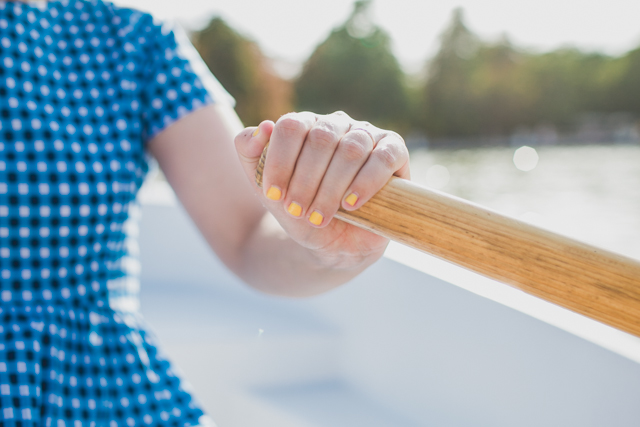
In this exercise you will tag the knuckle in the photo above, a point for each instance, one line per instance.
(364, 133)
(397, 137)
(368, 130)
(401, 150)
(291, 124)
(387, 156)
(355, 147)
(322, 135)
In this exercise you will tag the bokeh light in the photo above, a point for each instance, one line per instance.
(526, 158)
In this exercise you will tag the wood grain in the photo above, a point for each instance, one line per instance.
(596, 283)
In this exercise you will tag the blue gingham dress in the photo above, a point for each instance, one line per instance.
(83, 86)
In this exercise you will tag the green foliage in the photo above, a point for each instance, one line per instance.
(242, 69)
(625, 84)
(354, 70)
(479, 88)
(472, 88)
(561, 84)
(449, 104)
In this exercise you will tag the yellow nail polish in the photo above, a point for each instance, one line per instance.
(274, 193)
(256, 132)
(294, 209)
(316, 218)
(351, 199)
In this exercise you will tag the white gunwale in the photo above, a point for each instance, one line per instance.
(612, 339)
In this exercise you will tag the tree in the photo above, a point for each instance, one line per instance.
(477, 88)
(562, 84)
(244, 71)
(448, 106)
(499, 97)
(354, 70)
(624, 83)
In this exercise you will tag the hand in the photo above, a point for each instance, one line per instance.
(317, 164)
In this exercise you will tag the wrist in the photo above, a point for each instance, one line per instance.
(347, 261)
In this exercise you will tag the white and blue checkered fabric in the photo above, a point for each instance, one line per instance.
(83, 86)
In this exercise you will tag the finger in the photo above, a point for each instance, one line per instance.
(289, 134)
(315, 156)
(389, 157)
(352, 153)
(374, 132)
(250, 143)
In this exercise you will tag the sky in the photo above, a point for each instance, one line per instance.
(289, 30)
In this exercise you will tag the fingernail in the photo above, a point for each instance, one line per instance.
(351, 199)
(256, 132)
(274, 193)
(316, 218)
(294, 209)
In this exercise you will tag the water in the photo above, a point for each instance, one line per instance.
(591, 193)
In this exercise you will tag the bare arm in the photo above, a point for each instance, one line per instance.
(275, 251)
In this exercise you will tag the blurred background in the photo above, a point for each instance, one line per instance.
(466, 83)
(424, 67)
(528, 108)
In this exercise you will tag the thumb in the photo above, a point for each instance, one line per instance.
(250, 143)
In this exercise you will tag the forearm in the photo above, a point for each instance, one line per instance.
(218, 192)
(272, 262)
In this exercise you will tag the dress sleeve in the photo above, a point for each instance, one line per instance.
(176, 82)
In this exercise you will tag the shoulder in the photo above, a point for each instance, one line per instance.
(119, 16)
(131, 33)
(123, 21)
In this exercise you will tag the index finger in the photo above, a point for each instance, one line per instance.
(288, 136)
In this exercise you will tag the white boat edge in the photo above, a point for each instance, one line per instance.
(156, 192)
(619, 342)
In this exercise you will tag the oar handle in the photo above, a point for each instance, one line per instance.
(593, 282)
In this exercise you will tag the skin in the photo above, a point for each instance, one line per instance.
(316, 161)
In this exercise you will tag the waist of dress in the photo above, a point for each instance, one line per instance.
(67, 327)
(119, 293)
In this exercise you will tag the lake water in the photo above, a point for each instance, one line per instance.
(591, 193)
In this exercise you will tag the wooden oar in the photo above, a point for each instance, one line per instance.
(596, 283)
